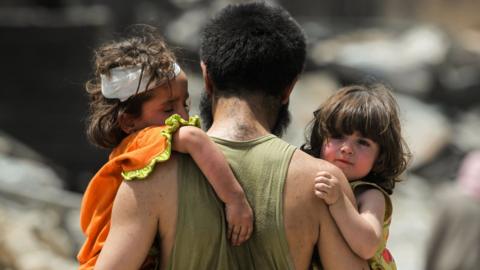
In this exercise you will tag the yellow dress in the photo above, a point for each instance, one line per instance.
(383, 259)
(134, 158)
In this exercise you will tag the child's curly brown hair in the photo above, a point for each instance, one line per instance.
(372, 111)
(144, 47)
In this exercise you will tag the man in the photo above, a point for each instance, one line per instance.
(251, 57)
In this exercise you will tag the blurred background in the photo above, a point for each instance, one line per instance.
(427, 50)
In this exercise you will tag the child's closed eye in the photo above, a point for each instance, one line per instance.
(170, 110)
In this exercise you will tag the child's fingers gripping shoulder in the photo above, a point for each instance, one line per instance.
(320, 194)
(324, 174)
(322, 180)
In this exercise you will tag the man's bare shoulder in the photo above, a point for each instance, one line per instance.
(304, 165)
(300, 178)
(301, 174)
(303, 169)
(166, 169)
(161, 182)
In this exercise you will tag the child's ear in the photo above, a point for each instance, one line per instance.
(127, 123)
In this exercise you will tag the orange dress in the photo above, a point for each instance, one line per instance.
(133, 159)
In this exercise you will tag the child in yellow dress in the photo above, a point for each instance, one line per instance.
(138, 102)
(358, 130)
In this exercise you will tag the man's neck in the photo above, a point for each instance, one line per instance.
(237, 120)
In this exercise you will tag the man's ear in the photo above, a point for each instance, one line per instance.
(288, 90)
(206, 79)
(127, 123)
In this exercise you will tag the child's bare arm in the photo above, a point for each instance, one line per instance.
(214, 166)
(361, 229)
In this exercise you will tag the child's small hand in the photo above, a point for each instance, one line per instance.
(327, 187)
(240, 221)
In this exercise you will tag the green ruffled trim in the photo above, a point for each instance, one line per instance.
(173, 123)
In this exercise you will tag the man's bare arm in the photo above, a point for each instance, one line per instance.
(133, 226)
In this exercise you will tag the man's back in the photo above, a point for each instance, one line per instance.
(289, 220)
(261, 166)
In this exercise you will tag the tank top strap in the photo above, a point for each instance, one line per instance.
(388, 200)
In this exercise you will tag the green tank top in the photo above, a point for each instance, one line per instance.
(201, 238)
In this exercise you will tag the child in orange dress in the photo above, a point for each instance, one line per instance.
(139, 100)
(358, 130)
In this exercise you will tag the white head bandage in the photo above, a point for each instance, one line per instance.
(125, 82)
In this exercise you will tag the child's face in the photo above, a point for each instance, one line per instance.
(353, 154)
(168, 99)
